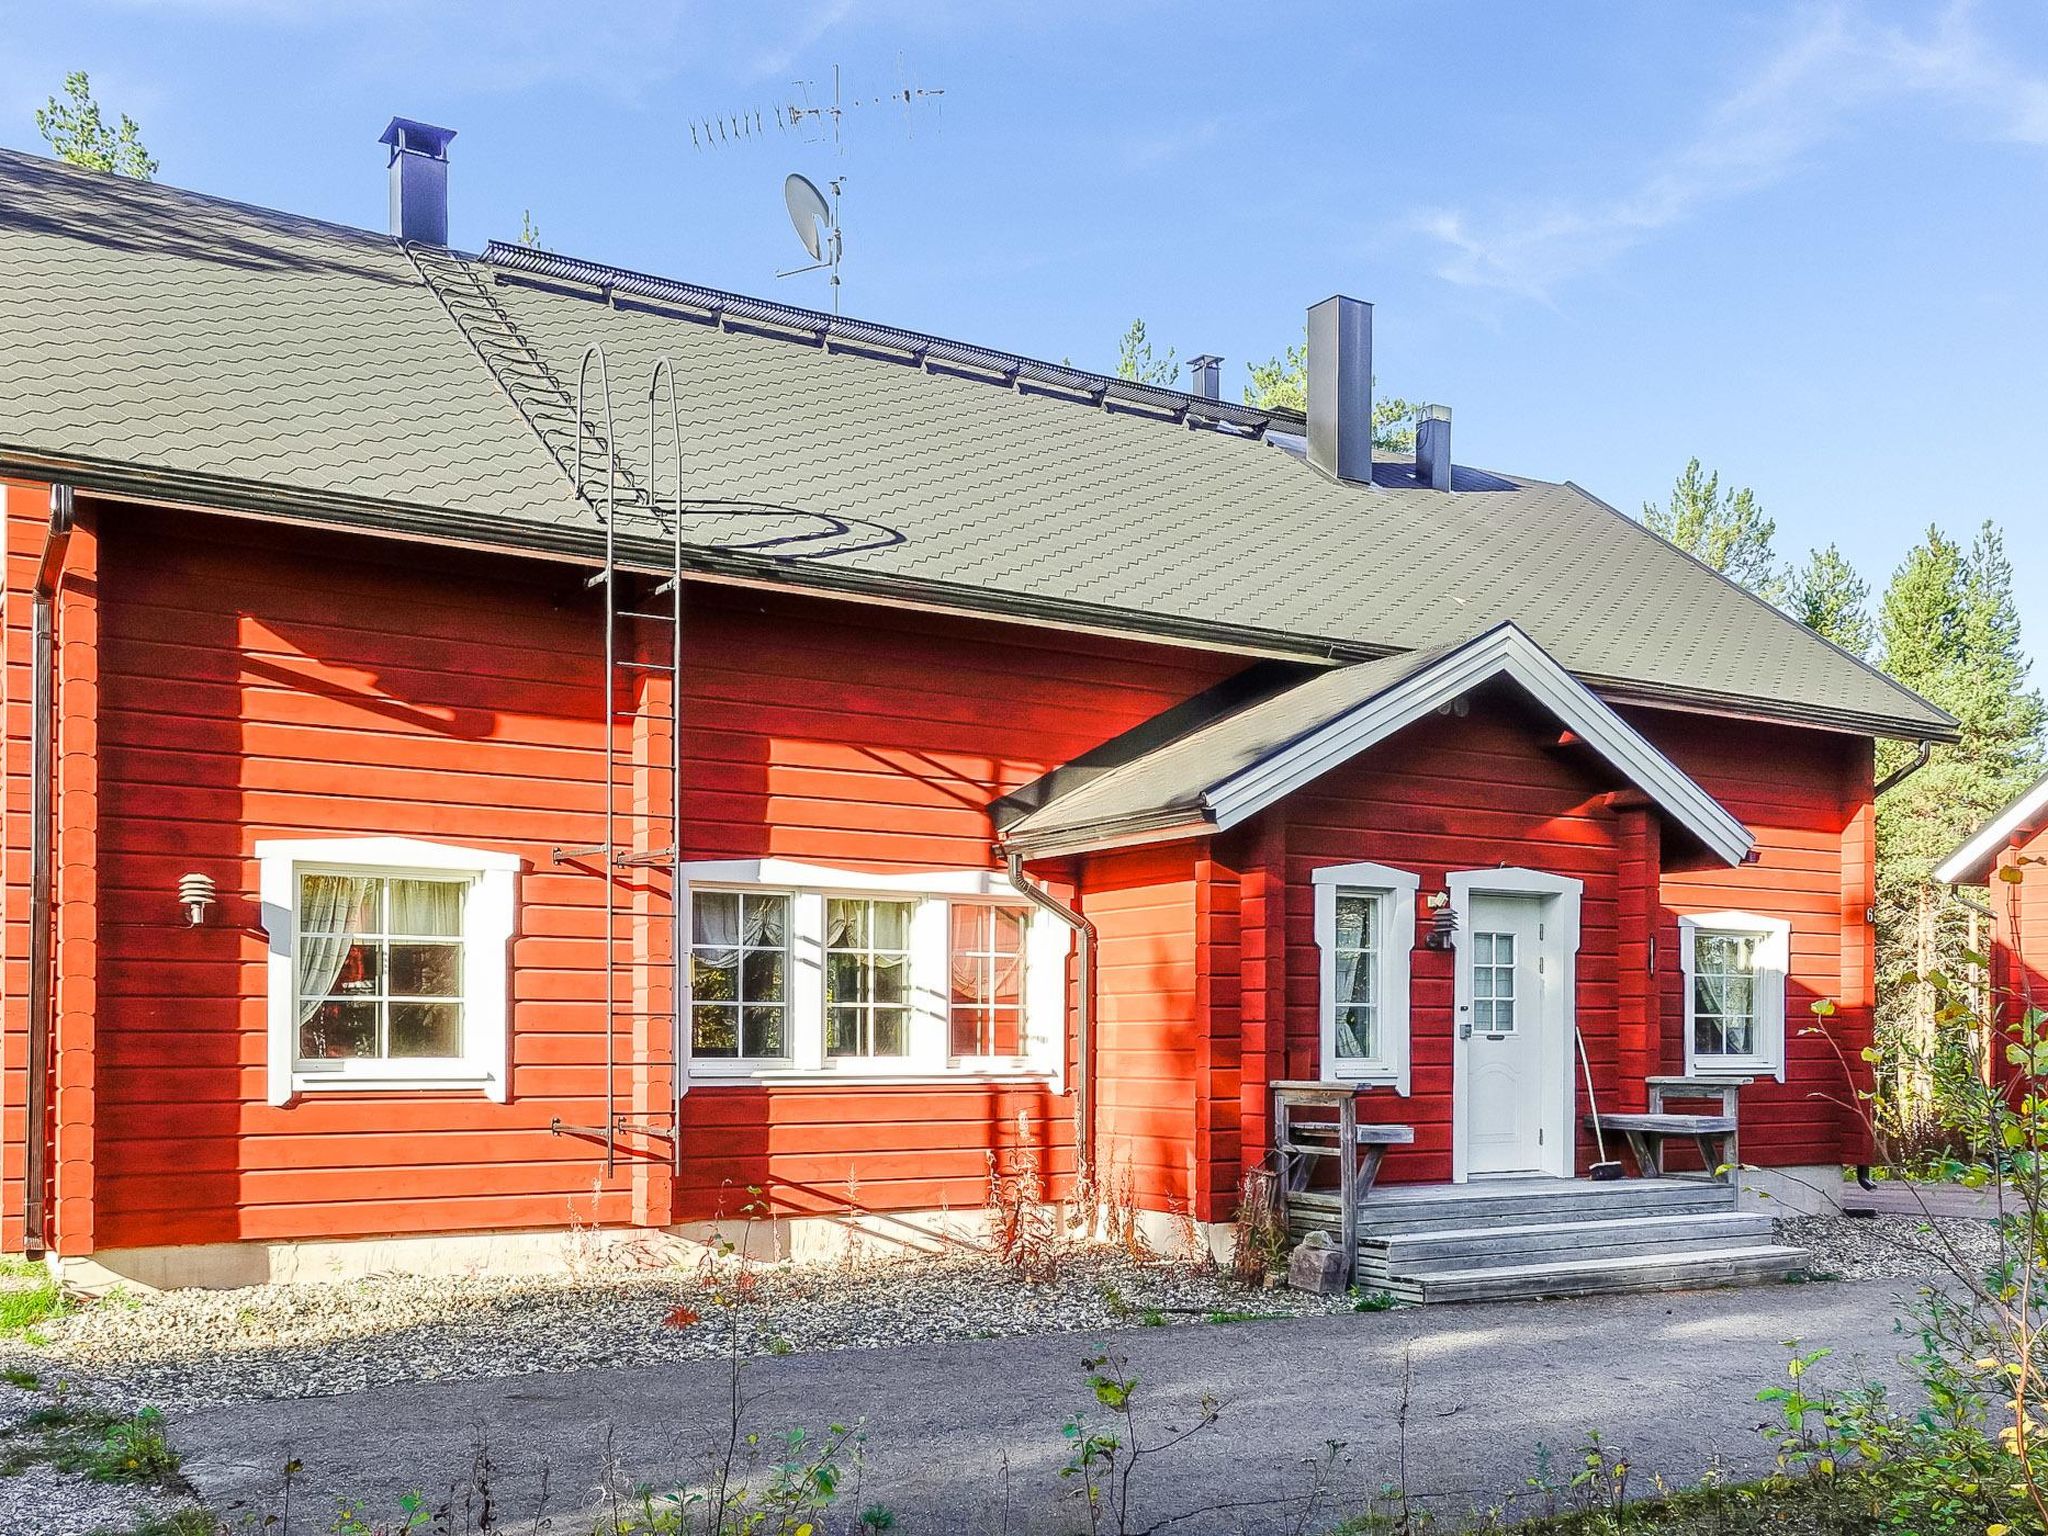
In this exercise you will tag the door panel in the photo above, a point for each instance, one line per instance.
(1506, 1050)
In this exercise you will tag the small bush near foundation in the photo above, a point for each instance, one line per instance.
(134, 1450)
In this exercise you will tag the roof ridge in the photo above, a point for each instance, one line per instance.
(918, 347)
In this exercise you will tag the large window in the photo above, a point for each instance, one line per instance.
(1365, 929)
(951, 973)
(1734, 965)
(387, 964)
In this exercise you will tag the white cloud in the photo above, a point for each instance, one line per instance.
(1835, 65)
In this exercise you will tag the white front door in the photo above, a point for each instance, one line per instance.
(1506, 1025)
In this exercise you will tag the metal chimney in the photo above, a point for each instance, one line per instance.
(419, 180)
(1433, 446)
(1340, 388)
(1205, 376)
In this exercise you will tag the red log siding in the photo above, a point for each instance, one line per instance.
(23, 513)
(260, 683)
(1804, 796)
(1143, 904)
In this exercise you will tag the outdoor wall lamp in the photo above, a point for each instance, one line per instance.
(196, 893)
(1443, 921)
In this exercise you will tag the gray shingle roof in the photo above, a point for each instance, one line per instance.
(151, 333)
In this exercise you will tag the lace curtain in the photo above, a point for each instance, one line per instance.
(328, 905)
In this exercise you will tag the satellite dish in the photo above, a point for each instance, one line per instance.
(810, 213)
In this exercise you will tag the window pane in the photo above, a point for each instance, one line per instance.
(892, 924)
(426, 908)
(971, 1031)
(338, 1031)
(714, 983)
(889, 981)
(360, 971)
(970, 927)
(1354, 920)
(324, 906)
(763, 975)
(890, 1028)
(1009, 930)
(713, 1030)
(846, 979)
(1707, 1038)
(842, 1031)
(767, 921)
(426, 970)
(426, 1029)
(1355, 1033)
(716, 918)
(846, 924)
(764, 1032)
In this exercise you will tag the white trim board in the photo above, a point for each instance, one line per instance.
(1982, 850)
(1395, 941)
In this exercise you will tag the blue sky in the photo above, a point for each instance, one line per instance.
(1808, 243)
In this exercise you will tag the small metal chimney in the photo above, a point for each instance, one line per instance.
(419, 180)
(1433, 447)
(1340, 388)
(1205, 376)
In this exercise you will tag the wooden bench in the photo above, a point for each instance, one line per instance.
(1359, 1149)
(1715, 1135)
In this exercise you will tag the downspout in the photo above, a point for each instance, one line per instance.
(42, 882)
(1084, 1011)
(1885, 786)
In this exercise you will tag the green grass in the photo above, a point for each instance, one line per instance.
(25, 1307)
(13, 1268)
(1243, 1317)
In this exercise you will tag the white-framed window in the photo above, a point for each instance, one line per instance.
(388, 964)
(1734, 965)
(805, 970)
(1365, 932)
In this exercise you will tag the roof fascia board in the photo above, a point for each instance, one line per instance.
(1972, 862)
(1105, 836)
(1506, 650)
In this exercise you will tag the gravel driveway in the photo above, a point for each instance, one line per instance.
(955, 1428)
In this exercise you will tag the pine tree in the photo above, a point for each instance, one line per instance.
(1727, 530)
(1950, 631)
(1281, 384)
(1136, 361)
(1830, 599)
(77, 132)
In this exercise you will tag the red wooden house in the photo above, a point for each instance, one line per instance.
(462, 785)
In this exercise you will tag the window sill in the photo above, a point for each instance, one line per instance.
(1734, 1071)
(350, 1082)
(1366, 1077)
(702, 1076)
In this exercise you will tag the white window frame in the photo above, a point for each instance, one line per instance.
(1395, 942)
(1773, 964)
(489, 913)
(929, 1058)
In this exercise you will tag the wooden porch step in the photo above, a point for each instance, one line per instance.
(1680, 1270)
(1424, 1208)
(1456, 1249)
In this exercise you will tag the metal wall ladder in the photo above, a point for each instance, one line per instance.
(646, 982)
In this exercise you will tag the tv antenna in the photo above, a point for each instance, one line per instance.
(815, 120)
(817, 224)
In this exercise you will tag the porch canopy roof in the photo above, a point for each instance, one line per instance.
(1217, 773)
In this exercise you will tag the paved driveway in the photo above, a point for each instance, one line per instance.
(1670, 1379)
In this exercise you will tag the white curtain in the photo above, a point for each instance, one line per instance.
(327, 908)
(721, 930)
(427, 909)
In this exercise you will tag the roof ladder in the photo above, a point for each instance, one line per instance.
(646, 987)
(559, 421)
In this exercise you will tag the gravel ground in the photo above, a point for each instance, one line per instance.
(1888, 1247)
(180, 1349)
